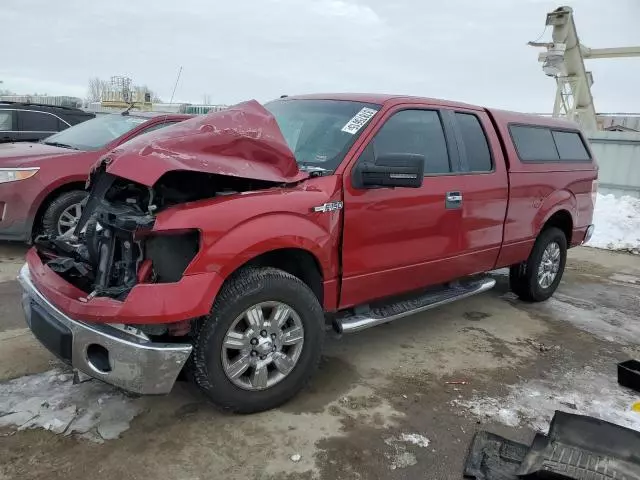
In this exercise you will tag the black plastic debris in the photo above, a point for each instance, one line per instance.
(577, 447)
(629, 374)
(492, 457)
(66, 264)
(582, 447)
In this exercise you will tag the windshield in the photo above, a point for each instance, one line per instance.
(320, 132)
(95, 133)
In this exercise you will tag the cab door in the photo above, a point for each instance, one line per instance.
(401, 239)
(484, 188)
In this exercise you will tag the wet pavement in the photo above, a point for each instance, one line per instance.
(401, 400)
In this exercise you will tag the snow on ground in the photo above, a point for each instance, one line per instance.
(533, 402)
(416, 439)
(606, 323)
(617, 222)
(51, 401)
(402, 457)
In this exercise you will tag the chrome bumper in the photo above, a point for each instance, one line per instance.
(124, 360)
(588, 234)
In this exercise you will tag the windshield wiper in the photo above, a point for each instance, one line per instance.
(63, 145)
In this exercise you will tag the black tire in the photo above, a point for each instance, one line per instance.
(245, 289)
(57, 207)
(523, 278)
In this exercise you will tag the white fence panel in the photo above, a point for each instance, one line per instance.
(618, 155)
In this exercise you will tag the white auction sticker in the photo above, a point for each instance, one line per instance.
(359, 120)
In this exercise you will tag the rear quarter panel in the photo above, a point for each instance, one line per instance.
(539, 190)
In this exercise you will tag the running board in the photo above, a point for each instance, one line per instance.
(404, 308)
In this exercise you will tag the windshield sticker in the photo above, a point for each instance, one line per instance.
(359, 120)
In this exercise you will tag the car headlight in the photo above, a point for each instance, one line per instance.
(15, 174)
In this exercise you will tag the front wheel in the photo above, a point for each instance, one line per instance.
(62, 214)
(538, 278)
(261, 343)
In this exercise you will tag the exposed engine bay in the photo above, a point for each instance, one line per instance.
(113, 247)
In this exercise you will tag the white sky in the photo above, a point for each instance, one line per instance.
(469, 50)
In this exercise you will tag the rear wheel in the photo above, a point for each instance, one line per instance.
(261, 343)
(538, 278)
(63, 213)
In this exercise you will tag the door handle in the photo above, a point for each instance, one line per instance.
(454, 197)
(453, 200)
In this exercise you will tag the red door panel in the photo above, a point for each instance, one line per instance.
(400, 239)
(397, 240)
(484, 188)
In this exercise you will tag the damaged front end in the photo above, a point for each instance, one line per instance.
(117, 296)
(104, 253)
(114, 246)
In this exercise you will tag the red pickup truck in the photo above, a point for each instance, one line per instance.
(226, 244)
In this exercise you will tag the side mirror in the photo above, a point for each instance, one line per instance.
(392, 170)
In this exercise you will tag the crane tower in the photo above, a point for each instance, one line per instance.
(564, 60)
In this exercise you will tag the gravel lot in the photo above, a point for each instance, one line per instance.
(380, 407)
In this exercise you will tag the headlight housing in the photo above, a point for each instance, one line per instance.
(15, 174)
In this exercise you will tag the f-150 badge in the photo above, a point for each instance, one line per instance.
(329, 207)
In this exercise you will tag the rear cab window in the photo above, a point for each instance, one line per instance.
(474, 142)
(536, 144)
(570, 146)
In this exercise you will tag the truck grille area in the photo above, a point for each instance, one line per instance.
(102, 256)
(118, 250)
(104, 260)
(117, 259)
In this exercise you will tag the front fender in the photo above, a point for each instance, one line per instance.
(263, 234)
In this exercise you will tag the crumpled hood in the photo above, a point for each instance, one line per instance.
(242, 141)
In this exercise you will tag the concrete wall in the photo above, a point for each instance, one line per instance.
(618, 155)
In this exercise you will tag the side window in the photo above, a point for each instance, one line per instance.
(534, 144)
(6, 120)
(415, 131)
(475, 143)
(570, 146)
(62, 125)
(37, 122)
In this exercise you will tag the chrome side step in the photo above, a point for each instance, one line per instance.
(404, 308)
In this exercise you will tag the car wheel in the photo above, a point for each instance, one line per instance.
(538, 278)
(261, 343)
(63, 213)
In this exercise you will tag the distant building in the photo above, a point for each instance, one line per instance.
(98, 107)
(619, 122)
(54, 100)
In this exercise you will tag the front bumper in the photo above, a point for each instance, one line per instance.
(102, 351)
(147, 303)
